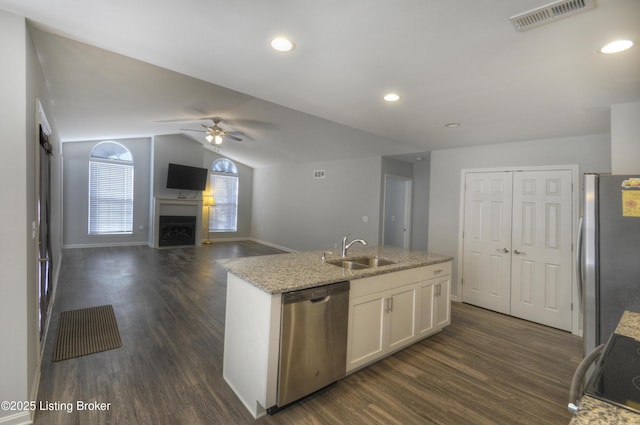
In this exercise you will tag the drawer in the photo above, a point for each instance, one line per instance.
(369, 285)
(373, 284)
(436, 270)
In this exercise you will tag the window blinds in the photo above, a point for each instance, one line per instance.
(223, 217)
(110, 198)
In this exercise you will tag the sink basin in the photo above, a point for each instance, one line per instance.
(374, 261)
(360, 263)
(348, 264)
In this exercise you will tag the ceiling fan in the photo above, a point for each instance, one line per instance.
(216, 135)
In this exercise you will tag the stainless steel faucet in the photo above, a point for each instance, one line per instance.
(346, 246)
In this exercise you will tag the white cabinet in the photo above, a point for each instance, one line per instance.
(435, 305)
(441, 302)
(401, 307)
(380, 323)
(366, 330)
(390, 311)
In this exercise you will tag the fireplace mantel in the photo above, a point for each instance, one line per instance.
(176, 207)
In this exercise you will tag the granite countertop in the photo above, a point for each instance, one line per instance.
(595, 411)
(289, 272)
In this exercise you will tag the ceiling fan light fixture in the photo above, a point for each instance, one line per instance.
(209, 137)
(282, 44)
(217, 139)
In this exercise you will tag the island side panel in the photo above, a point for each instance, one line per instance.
(251, 344)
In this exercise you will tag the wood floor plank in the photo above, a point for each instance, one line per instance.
(486, 368)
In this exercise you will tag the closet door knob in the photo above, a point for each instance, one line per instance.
(505, 250)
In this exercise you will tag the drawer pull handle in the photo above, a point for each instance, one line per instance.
(438, 271)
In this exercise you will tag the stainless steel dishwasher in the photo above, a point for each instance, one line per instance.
(313, 341)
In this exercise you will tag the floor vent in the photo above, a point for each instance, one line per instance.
(550, 12)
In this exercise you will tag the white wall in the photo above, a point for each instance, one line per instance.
(293, 210)
(625, 138)
(591, 153)
(13, 244)
(21, 83)
(76, 194)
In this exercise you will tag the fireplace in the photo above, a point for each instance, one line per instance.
(177, 230)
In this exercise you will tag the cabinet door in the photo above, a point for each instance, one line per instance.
(425, 318)
(365, 340)
(401, 307)
(442, 303)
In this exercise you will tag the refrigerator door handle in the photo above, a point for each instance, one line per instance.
(579, 377)
(579, 259)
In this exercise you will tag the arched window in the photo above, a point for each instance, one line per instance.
(224, 188)
(110, 189)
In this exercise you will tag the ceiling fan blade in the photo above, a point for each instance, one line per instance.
(180, 120)
(251, 123)
(190, 129)
(232, 137)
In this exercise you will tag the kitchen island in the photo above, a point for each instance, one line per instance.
(418, 280)
(595, 411)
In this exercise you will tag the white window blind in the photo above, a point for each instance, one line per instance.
(110, 198)
(224, 213)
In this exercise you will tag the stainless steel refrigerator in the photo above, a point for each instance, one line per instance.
(609, 254)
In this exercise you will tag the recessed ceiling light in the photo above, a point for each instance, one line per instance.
(282, 44)
(419, 158)
(391, 97)
(617, 46)
(452, 124)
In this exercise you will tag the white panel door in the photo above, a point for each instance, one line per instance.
(542, 247)
(487, 241)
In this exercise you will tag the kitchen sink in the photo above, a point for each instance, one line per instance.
(374, 261)
(360, 262)
(348, 264)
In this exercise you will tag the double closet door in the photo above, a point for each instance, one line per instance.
(517, 244)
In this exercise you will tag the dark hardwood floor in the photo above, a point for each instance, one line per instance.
(486, 368)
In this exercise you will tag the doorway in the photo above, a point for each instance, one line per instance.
(397, 211)
(517, 243)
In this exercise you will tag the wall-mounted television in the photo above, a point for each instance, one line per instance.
(185, 177)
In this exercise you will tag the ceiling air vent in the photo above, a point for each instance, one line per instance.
(550, 12)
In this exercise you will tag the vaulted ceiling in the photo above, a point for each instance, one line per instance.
(124, 68)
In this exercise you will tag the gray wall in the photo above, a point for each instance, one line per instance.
(76, 194)
(21, 83)
(176, 149)
(293, 210)
(591, 153)
(179, 149)
(420, 215)
(395, 168)
(151, 161)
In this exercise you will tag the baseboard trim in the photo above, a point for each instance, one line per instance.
(213, 240)
(272, 245)
(22, 418)
(103, 245)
